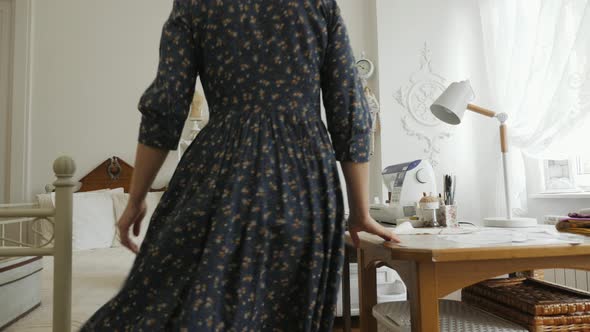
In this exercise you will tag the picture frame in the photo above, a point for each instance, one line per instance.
(559, 176)
(582, 176)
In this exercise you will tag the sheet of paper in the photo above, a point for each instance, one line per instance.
(514, 237)
(406, 228)
(475, 236)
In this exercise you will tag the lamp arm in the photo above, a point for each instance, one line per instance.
(481, 110)
(502, 117)
(504, 149)
(503, 138)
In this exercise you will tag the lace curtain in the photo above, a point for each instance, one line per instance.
(538, 68)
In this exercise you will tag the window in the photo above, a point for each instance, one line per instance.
(582, 173)
(559, 175)
(566, 167)
(567, 175)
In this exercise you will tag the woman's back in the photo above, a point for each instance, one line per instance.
(252, 51)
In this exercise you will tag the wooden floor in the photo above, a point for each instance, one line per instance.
(338, 324)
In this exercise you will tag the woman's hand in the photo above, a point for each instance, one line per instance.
(131, 217)
(364, 223)
(357, 179)
(148, 161)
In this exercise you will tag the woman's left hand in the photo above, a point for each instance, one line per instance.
(132, 216)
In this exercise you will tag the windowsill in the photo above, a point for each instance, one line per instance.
(577, 195)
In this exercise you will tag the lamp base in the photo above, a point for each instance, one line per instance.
(510, 223)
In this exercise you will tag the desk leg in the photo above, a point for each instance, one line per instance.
(367, 274)
(346, 291)
(423, 299)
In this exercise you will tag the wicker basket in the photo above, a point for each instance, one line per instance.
(536, 304)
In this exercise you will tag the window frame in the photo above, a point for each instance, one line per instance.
(581, 180)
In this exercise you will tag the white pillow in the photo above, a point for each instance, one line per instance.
(93, 219)
(120, 202)
(45, 202)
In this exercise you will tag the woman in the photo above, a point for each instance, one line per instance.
(249, 234)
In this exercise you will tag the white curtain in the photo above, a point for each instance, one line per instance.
(537, 55)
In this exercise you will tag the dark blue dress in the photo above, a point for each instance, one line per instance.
(249, 234)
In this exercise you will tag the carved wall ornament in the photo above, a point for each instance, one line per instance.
(375, 110)
(422, 89)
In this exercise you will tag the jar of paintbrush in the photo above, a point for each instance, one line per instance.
(447, 212)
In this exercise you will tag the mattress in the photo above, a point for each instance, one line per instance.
(20, 285)
(97, 275)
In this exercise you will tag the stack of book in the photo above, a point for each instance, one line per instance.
(538, 305)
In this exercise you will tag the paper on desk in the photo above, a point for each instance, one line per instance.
(513, 237)
(406, 228)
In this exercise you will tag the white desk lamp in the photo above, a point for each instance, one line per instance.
(449, 108)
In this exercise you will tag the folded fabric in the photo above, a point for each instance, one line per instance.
(574, 225)
(578, 215)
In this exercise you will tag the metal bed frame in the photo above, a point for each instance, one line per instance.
(64, 168)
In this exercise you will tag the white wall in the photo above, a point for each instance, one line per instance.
(361, 21)
(91, 62)
(451, 29)
(539, 206)
(6, 24)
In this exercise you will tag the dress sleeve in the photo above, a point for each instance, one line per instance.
(165, 103)
(347, 111)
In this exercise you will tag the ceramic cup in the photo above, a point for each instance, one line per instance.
(447, 216)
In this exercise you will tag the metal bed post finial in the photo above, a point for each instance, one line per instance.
(64, 168)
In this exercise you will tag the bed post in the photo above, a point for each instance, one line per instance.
(64, 169)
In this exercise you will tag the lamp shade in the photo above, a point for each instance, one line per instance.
(452, 103)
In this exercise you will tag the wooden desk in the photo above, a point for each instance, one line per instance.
(432, 267)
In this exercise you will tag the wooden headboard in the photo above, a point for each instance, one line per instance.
(111, 173)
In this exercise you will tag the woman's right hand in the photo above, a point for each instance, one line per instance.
(131, 217)
(364, 223)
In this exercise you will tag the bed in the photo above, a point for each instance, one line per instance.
(20, 287)
(96, 275)
(99, 264)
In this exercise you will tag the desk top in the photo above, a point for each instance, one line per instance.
(444, 248)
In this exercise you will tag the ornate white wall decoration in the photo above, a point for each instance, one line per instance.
(423, 88)
(431, 149)
(375, 109)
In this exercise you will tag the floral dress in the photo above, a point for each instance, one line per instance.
(249, 234)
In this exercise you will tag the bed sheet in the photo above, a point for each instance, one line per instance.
(96, 276)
